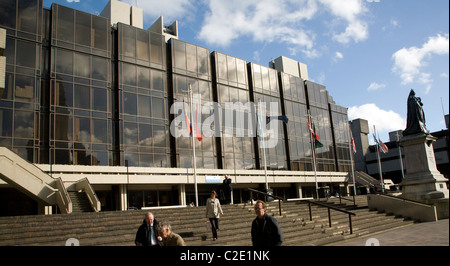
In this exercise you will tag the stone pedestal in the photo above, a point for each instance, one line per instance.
(422, 182)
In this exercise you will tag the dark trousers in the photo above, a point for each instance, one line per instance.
(214, 226)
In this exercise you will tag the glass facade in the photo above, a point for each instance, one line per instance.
(80, 89)
(298, 140)
(20, 102)
(82, 92)
(341, 137)
(318, 106)
(266, 89)
(143, 98)
(190, 68)
(231, 82)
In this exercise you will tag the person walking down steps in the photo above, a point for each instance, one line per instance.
(213, 212)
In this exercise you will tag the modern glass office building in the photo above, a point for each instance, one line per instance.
(83, 93)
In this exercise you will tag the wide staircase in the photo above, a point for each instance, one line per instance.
(119, 228)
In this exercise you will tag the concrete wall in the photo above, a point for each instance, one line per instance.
(118, 11)
(405, 208)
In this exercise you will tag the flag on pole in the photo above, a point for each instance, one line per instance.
(353, 143)
(188, 123)
(283, 118)
(317, 143)
(259, 129)
(383, 146)
(198, 132)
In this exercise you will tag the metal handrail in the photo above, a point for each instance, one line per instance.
(267, 195)
(329, 212)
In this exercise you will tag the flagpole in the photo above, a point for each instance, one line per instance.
(378, 158)
(314, 156)
(350, 135)
(263, 146)
(193, 144)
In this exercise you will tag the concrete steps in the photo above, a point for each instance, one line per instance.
(119, 228)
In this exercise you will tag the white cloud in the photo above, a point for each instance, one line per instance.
(384, 121)
(375, 86)
(279, 21)
(349, 11)
(409, 62)
(171, 10)
(338, 56)
(72, 1)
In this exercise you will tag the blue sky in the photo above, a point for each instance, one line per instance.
(368, 53)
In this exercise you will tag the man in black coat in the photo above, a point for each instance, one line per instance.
(227, 189)
(265, 228)
(147, 234)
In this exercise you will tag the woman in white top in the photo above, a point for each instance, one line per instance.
(213, 212)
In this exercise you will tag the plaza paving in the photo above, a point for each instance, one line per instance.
(420, 234)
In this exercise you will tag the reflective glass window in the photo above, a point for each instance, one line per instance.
(160, 136)
(27, 15)
(82, 28)
(231, 63)
(64, 61)
(158, 109)
(99, 131)
(81, 97)
(143, 75)
(222, 66)
(100, 32)
(145, 135)
(129, 74)
(24, 90)
(5, 123)
(179, 54)
(65, 24)
(144, 106)
(191, 57)
(82, 65)
(130, 133)
(100, 68)
(241, 71)
(203, 60)
(64, 94)
(128, 41)
(23, 124)
(63, 127)
(129, 103)
(100, 99)
(156, 50)
(62, 157)
(8, 11)
(157, 80)
(26, 55)
(142, 45)
(257, 76)
(82, 129)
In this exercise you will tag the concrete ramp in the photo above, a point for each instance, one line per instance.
(29, 179)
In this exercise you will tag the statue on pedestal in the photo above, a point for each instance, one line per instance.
(416, 117)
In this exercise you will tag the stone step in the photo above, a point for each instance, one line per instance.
(119, 228)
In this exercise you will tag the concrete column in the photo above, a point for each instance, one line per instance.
(123, 197)
(299, 190)
(182, 194)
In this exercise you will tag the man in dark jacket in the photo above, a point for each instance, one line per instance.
(147, 234)
(265, 228)
(227, 189)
